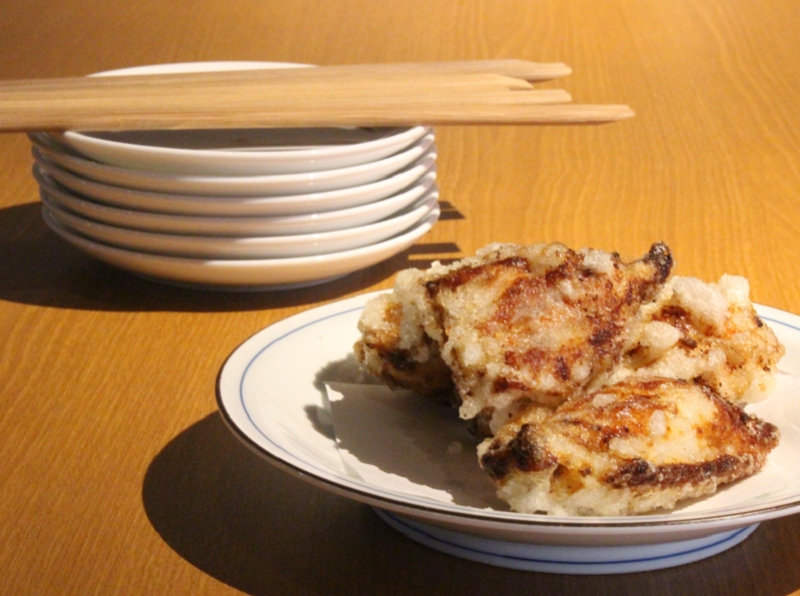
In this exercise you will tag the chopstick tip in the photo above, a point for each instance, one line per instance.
(626, 112)
(562, 69)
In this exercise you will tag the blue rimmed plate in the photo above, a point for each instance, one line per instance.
(274, 390)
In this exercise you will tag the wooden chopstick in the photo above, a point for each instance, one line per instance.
(384, 114)
(516, 69)
(250, 83)
(471, 92)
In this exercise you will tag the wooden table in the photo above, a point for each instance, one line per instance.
(117, 475)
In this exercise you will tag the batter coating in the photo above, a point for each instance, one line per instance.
(629, 448)
(511, 325)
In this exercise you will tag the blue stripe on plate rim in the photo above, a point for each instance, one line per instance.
(483, 547)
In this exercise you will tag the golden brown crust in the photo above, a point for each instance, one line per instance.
(513, 323)
(556, 319)
(418, 367)
(607, 445)
(710, 333)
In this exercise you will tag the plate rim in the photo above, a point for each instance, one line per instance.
(263, 274)
(235, 206)
(181, 223)
(243, 247)
(241, 186)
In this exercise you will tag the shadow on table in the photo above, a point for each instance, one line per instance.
(262, 531)
(38, 267)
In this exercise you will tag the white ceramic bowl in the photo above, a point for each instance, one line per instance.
(47, 173)
(238, 152)
(235, 226)
(224, 186)
(220, 247)
(246, 274)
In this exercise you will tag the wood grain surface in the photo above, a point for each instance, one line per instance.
(118, 475)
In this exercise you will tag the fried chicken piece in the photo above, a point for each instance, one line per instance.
(394, 347)
(707, 332)
(512, 325)
(630, 448)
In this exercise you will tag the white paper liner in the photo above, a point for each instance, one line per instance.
(407, 443)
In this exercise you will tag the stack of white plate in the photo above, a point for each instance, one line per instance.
(239, 209)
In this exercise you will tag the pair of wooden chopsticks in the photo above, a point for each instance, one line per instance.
(434, 93)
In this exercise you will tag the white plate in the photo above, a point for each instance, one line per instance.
(282, 417)
(224, 186)
(237, 152)
(246, 274)
(220, 247)
(284, 225)
(252, 152)
(238, 206)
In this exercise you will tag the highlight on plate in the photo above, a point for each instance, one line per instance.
(593, 386)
